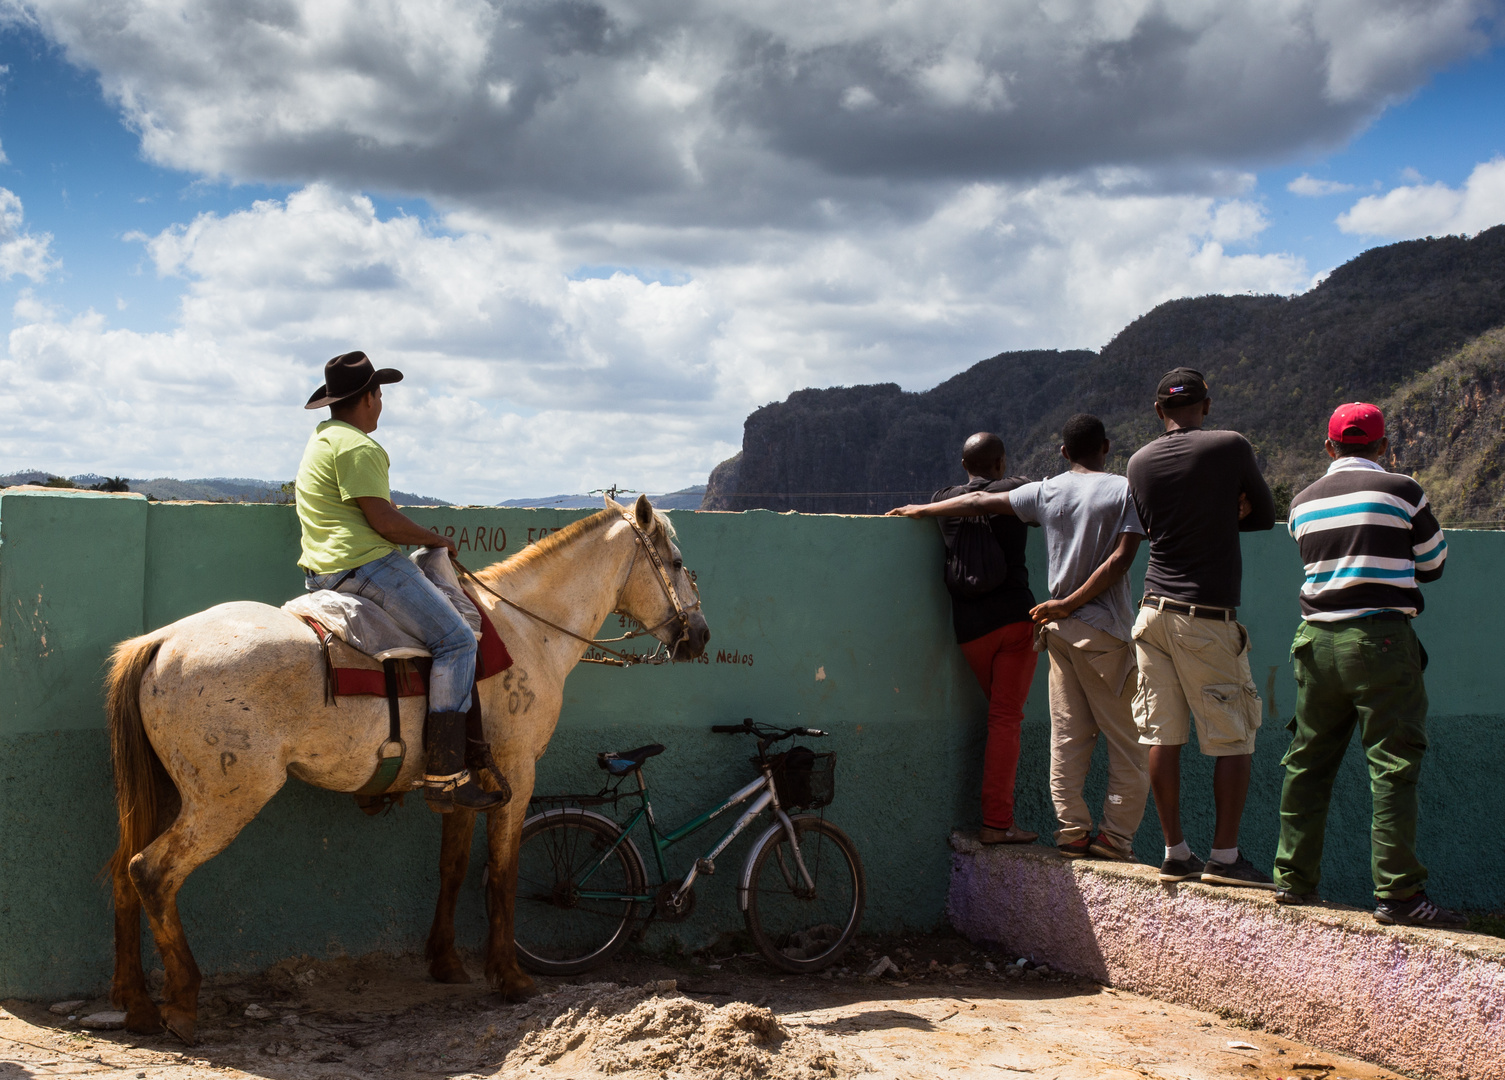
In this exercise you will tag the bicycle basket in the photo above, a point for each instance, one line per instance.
(803, 779)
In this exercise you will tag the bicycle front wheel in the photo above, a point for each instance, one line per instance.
(564, 853)
(799, 928)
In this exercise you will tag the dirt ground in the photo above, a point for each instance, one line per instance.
(945, 1013)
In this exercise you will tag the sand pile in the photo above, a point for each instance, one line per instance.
(611, 1029)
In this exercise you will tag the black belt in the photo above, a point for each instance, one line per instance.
(1196, 611)
(1373, 616)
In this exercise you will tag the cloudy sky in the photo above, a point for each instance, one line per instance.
(597, 233)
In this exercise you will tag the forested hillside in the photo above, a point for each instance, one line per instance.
(1375, 329)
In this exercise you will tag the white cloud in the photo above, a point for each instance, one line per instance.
(524, 380)
(642, 102)
(1312, 188)
(1416, 210)
(22, 252)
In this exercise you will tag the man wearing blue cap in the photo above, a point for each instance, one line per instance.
(351, 533)
(1367, 539)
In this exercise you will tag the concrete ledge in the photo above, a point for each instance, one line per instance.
(1421, 1001)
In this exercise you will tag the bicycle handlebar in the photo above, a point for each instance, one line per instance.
(750, 727)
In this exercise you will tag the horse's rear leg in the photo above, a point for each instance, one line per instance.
(454, 861)
(504, 830)
(158, 873)
(128, 988)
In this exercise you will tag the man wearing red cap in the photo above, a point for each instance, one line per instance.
(1367, 537)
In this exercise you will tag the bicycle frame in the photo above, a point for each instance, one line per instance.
(761, 791)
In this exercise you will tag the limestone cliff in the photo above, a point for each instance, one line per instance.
(1447, 428)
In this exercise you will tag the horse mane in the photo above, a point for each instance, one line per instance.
(541, 550)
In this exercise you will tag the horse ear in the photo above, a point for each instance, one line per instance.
(644, 511)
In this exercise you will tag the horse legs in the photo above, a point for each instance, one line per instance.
(159, 871)
(504, 829)
(128, 988)
(454, 861)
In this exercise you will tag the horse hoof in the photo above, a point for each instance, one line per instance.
(449, 970)
(143, 1020)
(516, 989)
(179, 1023)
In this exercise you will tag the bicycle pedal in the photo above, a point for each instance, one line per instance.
(705, 866)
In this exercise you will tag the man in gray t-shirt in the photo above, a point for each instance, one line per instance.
(1092, 533)
(1084, 514)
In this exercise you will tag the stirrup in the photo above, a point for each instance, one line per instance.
(478, 760)
(444, 794)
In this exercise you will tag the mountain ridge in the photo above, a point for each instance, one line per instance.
(1276, 367)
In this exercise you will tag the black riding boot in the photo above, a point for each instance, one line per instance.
(447, 783)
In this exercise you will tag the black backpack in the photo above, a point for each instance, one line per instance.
(975, 562)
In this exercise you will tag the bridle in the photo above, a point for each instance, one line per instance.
(619, 658)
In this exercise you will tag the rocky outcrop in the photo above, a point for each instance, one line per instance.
(1447, 428)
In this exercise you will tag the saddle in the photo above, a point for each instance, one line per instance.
(366, 654)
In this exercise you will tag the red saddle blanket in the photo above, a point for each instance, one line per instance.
(492, 658)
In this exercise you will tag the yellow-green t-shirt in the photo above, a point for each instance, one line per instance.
(340, 464)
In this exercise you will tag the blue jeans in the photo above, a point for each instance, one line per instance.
(416, 605)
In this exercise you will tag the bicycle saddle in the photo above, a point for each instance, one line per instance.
(627, 760)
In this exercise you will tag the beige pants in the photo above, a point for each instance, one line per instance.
(1195, 668)
(1091, 692)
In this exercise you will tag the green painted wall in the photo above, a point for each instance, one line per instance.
(786, 596)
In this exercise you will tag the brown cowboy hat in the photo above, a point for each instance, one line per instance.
(350, 375)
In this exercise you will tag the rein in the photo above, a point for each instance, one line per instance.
(619, 657)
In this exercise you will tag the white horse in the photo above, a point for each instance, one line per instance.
(209, 716)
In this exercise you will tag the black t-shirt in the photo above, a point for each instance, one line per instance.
(1186, 486)
(973, 617)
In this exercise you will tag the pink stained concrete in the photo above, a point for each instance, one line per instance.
(1421, 1001)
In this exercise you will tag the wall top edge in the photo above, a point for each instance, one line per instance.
(33, 490)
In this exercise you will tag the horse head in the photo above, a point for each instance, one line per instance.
(659, 591)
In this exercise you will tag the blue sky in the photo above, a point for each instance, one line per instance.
(1441, 132)
(595, 259)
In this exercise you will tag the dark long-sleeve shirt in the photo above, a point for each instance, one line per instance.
(1186, 486)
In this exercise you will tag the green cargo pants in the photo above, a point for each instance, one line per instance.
(1364, 672)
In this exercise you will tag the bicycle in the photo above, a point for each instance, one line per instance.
(582, 883)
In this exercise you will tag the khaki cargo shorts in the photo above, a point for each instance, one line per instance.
(1191, 667)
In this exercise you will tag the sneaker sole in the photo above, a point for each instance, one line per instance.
(1391, 921)
(1213, 879)
(1109, 855)
(1196, 876)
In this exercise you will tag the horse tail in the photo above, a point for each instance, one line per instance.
(139, 776)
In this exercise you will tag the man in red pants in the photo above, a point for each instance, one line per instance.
(990, 606)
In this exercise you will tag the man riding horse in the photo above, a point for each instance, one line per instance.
(350, 535)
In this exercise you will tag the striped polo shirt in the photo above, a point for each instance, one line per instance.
(1367, 537)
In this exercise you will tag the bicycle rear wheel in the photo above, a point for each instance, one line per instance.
(562, 853)
(799, 929)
